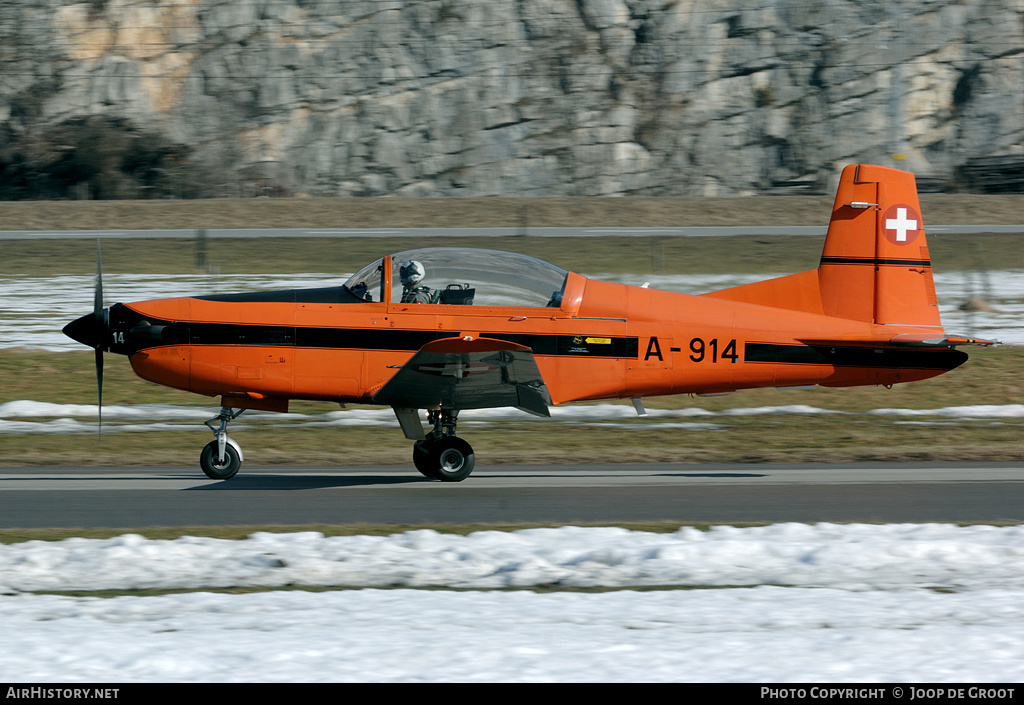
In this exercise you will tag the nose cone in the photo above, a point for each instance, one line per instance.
(87, 330)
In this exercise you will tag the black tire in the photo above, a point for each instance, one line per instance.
(219, 471)
(421, 459)
(452, 459)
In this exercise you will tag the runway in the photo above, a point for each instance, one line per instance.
(562, 494)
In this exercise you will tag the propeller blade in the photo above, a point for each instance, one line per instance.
(101, 340)
(97, 302)
(99, 390)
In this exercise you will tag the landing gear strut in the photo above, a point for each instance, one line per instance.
(221, 458)
(443, 456)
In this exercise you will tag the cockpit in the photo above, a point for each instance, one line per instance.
(461, 276)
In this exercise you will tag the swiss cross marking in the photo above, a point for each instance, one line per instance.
(902, 224)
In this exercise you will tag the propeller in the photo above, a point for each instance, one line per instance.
(93, 329)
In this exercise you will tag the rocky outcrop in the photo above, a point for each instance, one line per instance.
(522, 97)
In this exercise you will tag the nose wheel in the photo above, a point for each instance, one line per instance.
(443, 456)
(216, 468)
(221, 458)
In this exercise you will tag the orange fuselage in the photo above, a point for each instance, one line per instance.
(605, 341)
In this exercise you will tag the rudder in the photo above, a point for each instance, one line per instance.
(875, 266)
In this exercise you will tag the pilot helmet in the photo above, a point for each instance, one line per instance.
(411, 272)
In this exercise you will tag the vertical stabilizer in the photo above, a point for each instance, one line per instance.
(875, 266)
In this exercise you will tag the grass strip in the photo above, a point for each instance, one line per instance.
(778, 254)
(490, 212)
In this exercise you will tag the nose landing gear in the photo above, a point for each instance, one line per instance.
(222, 458)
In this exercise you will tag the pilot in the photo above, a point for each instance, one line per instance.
(411, 273)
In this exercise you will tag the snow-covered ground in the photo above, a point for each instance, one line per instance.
(33, 321)
(782, 603)
(27, 416)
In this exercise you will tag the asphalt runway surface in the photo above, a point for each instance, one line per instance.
(136, 497)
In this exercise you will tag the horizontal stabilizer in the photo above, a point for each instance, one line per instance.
(919, 340)
(904, 340)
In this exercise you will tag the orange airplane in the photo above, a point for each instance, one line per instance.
(496, 329)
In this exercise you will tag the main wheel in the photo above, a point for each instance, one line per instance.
(421, 459)
(216, 470)
(452, 459)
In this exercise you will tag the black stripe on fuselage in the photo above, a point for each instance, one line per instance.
(853, 356)
(125, 342)
(391, 339)
(878, 261)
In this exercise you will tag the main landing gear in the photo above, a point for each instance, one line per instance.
(221, 458)
(443, 456)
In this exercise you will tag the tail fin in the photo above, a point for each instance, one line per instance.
(875, 266)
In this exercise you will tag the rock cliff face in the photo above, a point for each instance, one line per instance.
(486, 97)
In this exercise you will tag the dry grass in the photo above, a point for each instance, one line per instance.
(640, 256)
(947, 209)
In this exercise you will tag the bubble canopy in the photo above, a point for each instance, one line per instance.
(485, 277)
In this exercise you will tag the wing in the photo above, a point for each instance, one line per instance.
(460, 373)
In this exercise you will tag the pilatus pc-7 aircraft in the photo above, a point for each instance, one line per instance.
(443, 330)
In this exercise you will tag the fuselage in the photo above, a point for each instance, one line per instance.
(604, 341)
